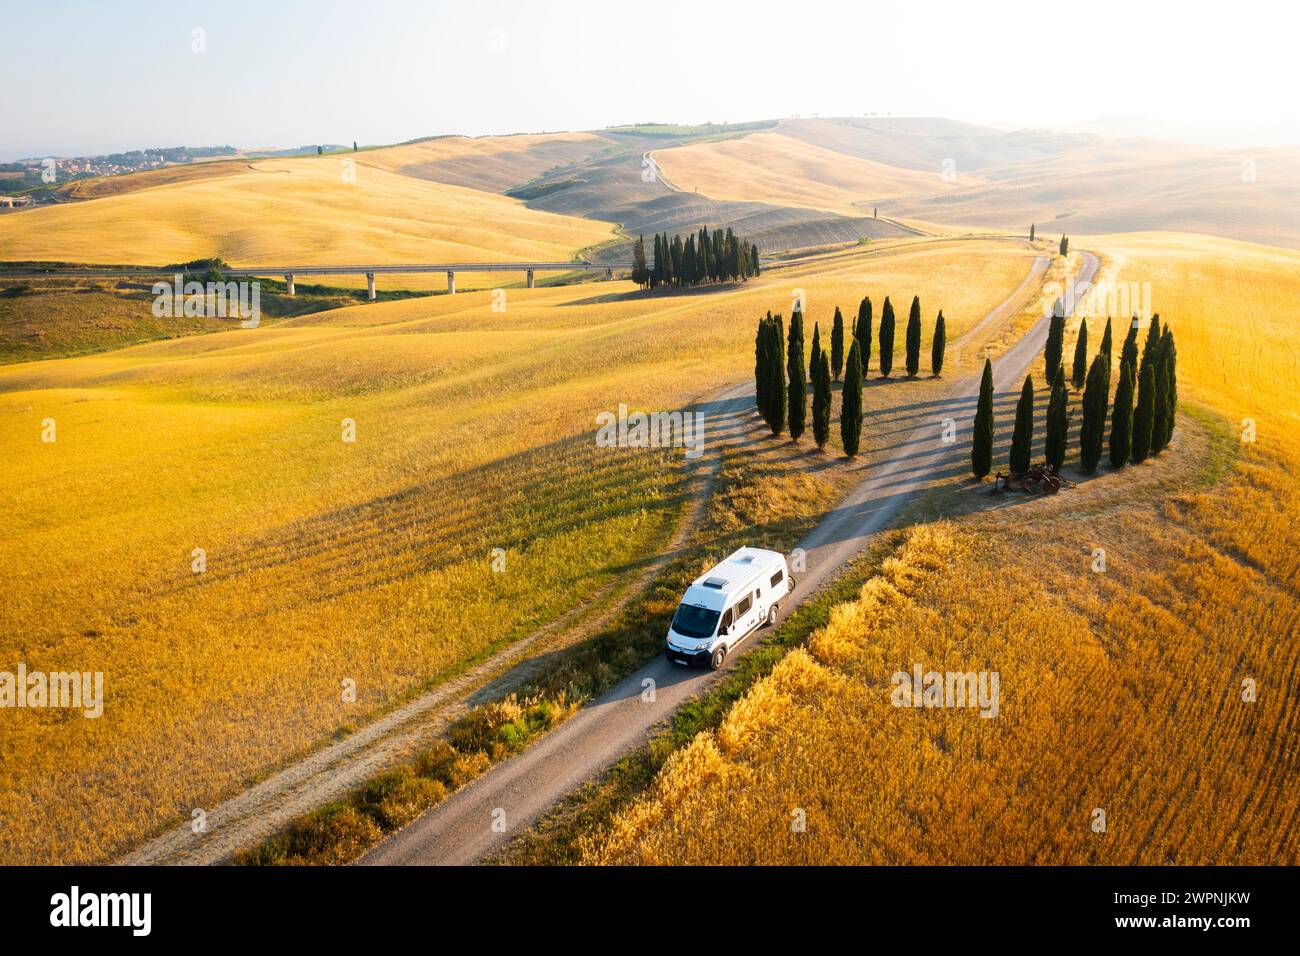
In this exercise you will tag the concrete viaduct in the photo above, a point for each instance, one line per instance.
(291, 272)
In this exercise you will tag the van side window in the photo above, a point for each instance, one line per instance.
(743, 606)
(726, 619)
(778, 578)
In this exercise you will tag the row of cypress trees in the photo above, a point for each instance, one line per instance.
(863, 334)
(703, 257)
(781, 383)
(1138, 429)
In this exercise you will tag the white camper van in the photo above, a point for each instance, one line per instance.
(722, 607)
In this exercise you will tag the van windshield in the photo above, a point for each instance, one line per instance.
(690, 621)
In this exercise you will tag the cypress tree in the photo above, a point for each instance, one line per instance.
(851, 403)
(1121, 419)
(798, 392)
(862, 332)
(1065, 245)
(1107, 348)
(1093, 428)
(1171, 384)
(1143, 416)
(760, 365)
(886, 339)
(1055, 350)
(753, 258)
(1152, 347)
(1058, 423)
(837, 344)
(981, 453)
(816, 349)
(1031, 232)
(640, 274)
(912, 339)
(1160, 407)
(821, 409)
(1128, 352)
(937, 345)
(776, 376)
(1080, 356)
(1022, 438)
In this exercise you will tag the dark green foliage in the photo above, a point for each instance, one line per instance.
(937, 345)
(886, 339)
(816, 349)
(1031, 232)
(640, 273)
(1022, 437)
(1107, 346)
(851, 402)
(1143, 415)
(776, 376)
(1160, 409)
(1065, 245)
(837, 344)
(1055, 349)
(1080, 356)
(760, 365)
(862, 332)
(798, 391)
(912, 338)
(1058, 423)
(1152, 347)
(1171, 384)
(1121, 419)
(1092, 430)
(702, 257)
(821, 406)
(981, 453)
(1128, 352)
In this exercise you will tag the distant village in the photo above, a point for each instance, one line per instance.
(27, 182)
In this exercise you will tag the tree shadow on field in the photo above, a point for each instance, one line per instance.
(658, 295)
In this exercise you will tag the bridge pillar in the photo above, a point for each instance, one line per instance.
(288, 281)
(451, 282)
(530, 278)
(370, 285)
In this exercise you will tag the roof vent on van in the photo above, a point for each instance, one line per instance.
(716, 583)
(747, 559)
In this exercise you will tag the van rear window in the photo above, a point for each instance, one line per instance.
(778, 578)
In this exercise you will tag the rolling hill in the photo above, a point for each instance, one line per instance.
(298, 212)
(1061, 182)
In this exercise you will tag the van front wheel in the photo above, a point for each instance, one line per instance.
(771, 615)
(718, 657)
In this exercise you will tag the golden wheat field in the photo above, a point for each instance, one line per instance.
(329, 561)
(1122, 691)
(310, 211)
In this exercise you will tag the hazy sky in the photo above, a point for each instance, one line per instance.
(91, 77)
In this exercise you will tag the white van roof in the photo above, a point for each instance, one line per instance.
(715, 588)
